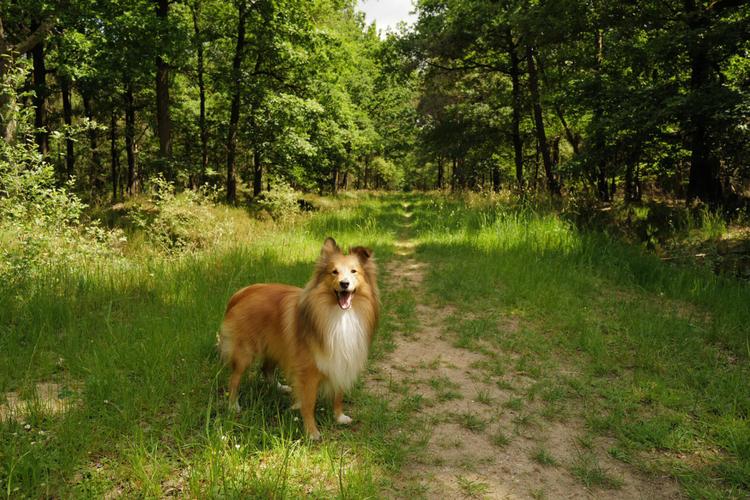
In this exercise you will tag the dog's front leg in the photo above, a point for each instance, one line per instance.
(308, 384)
(338, 409)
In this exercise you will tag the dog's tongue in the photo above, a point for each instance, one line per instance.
(345, 300)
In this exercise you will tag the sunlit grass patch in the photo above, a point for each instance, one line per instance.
(542, 456)
(651, 349)
(137, 335)
(587, 469)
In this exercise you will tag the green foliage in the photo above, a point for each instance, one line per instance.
(181, 222)
(660, 351)
(281, 202)
(41, 225)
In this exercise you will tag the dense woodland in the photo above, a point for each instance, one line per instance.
(586, 98)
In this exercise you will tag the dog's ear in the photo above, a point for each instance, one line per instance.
(363, 253)
(329, 248)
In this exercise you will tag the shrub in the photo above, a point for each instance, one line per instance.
(40, 222)
(281, 201)
(177, 221)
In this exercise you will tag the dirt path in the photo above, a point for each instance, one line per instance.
(484, 440)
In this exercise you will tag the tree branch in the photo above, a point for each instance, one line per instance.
(469, 66)
(717, 5)
(35, 38)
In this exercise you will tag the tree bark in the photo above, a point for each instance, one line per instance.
(515, 74)
(257, 172)
(96, 163)
(704, 182)
(202, 95)
(130, 135)
(70, 158)
(115, 158)
(602, 189)
(234, 115)
(163, 121)
(575, 142)
(40, 98)
(440, 173)
(335, 178)
(367, 170)
(541, 135)
(7, 53)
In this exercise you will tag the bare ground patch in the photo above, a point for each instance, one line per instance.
(47, 397)
(487, 440)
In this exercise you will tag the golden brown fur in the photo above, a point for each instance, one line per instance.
(318, 336)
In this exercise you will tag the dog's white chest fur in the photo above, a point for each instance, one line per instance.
(345, 354)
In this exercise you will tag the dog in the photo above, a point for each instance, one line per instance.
(318, 336)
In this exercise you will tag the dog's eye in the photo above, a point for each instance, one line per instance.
(334, 272)
(354, 271)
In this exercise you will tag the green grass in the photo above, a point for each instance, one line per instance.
(658, 354)
(135, 340)
(472, 488)
(590, 473)
(543, 456)
(652, 355)
(471, 421)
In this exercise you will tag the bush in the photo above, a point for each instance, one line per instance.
(177, 222)
(281, 201)
(40, 222)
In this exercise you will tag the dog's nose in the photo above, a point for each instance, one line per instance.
(344, 284)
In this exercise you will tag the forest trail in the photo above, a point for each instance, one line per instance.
(479, 442)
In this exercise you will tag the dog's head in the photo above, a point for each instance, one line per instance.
(344, 274)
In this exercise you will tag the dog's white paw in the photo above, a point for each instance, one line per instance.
(235, 407)
(344, 419)
(283, 388)
(314, 436)
(297, 405)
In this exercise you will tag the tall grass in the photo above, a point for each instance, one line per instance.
(661, 352)
(131, 343)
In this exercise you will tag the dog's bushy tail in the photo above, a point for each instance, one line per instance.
(224, 343)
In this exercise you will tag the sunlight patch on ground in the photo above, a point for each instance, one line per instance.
(49, 397)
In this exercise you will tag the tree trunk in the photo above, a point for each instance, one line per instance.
(40, 98)
(515, 74)
(704, 182)
(441, 173)
(115, 164)
(202, 95)
(495, 177)
(367, 170)
(599, 144)
(163, 121)
(234, 115)
(257, 172)
(454, 173)
(569, 135)
(8, 102)
(541, 135)
(335, 178)
(130, 134)
(70, 158)
(96, 163)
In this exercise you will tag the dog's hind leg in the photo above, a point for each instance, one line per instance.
(269, 366)
(338, 409)
(240, 361)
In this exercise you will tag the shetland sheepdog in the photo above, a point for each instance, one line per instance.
(318, 336)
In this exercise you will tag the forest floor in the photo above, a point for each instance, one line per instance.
(483, 441)
(517, 357)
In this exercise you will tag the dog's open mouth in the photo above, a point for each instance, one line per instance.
(344, 299)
